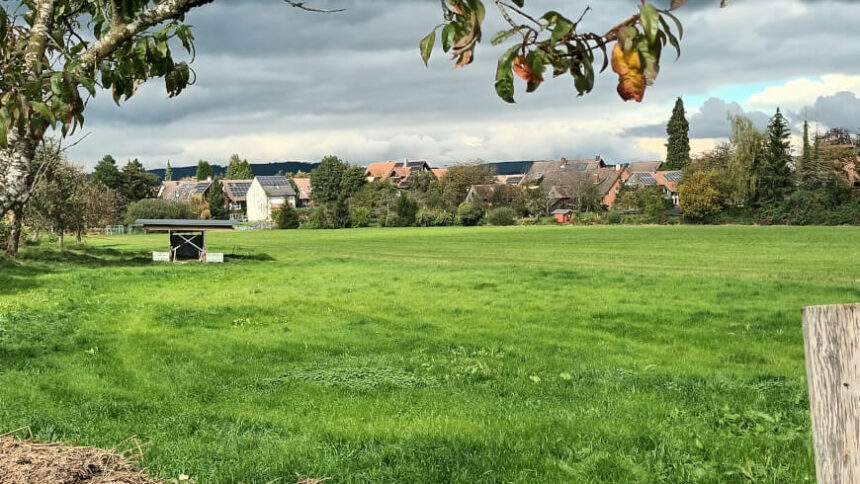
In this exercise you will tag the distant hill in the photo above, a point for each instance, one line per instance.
(260, 169)
(270, 169)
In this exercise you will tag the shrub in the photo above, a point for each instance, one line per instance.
(469, 214)
(548, 221)
(501, 216)
(433, 218)
(286, 217)
(614, 217)
(154, 208)
(359, 216)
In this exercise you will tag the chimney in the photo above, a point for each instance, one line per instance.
(618, 167)
(563, 161)
(596, 157)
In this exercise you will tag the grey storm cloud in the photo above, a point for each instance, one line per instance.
(353, 83)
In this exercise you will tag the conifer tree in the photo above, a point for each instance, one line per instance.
(775, 173)
(168, 173)
(804, 168)
(217, 201)
(106, 173)
(678, 145)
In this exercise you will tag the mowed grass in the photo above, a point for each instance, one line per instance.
(451, 355)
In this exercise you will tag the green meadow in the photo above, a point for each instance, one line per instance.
(547, 354)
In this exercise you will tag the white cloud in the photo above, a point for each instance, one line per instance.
(796, 94)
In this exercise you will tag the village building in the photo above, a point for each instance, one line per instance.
(668, 181)
(539, 169)
(303, 192)
(510, 179)
(183, 190)
(236, 193)
(268, 193)
(396, 172)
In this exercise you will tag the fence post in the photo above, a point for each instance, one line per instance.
(831, 336)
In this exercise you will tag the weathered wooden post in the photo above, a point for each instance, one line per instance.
(831, 336)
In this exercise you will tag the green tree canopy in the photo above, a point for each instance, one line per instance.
(335, 180)
(217, 201)
(238, 169)
(678, 145)
(774, 174)
(204, 170)
(137, 183)
(106, 173)
(168, 173)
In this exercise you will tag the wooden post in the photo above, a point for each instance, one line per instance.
(831, 336)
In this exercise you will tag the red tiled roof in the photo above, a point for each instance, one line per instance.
(383, 170)
(304, 188)
(439, 172)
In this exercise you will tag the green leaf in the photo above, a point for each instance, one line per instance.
(671, 37)
(650, 60)
(649, 16)
(4, 126)
(563, 25)
(503, 36)
(426, 46)
(676, 4)
(57, 83)
(44, 111)
(448, 37)
(677, 23)
(505, 75)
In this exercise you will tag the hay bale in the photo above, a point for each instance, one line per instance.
(26, 462)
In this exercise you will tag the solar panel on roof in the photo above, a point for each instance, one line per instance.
(239, 189)
(673, 176)
(647, 178)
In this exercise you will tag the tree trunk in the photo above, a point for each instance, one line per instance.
(35, 235)
(60, 240)
(79, 236)
(14, 241)
(15, 176)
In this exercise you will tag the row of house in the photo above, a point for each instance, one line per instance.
(563, 180)
(246, 199)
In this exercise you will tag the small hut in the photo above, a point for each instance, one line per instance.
(187, 238)
(562, 215)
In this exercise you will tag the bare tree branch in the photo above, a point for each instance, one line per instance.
(301, 5)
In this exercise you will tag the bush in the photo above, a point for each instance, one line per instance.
(359, 216)
(469, 214)
(154, 208)
(286, 217)
(548, 221)
(614, 217)
(501, 216)
(433, 218)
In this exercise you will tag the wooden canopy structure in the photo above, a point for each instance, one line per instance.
(187, 237)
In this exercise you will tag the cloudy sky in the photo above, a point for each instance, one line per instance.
(275, 84)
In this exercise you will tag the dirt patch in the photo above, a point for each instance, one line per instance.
(27, 462)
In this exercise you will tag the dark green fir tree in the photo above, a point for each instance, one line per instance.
(678, 145)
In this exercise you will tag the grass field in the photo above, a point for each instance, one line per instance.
(451, 355)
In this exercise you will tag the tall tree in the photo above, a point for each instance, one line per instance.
(137, 183)
(204, 170)
(168, 173)
(217, 201)
(743, 168)
(775, 173)
(53, 51)
(238, 169)
(335, 180)
(678, 145)
(804, 166)
(106, 173)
